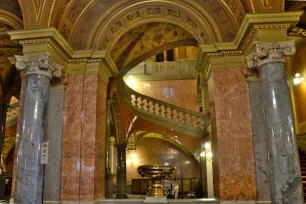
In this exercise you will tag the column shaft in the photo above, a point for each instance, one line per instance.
(259, 131)
(284, 165)
(30, 173)
(285, 174)
(54, 130)
(121, 171)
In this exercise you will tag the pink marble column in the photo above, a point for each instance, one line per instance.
(234, 168)
(83, 168)
(71, 154)
(100, 141)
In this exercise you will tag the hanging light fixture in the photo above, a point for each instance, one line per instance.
(297, 79)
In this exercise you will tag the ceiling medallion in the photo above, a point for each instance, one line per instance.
(105, 43)
(153, 10)
(116, 27)
(190, 22)
(133, 16)
(174, 13)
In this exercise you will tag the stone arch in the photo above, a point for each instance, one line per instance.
(11, 20)
(161, 136)
(106, 30)
(120, 116)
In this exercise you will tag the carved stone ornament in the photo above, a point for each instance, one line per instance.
(264, 52)
(42, 64)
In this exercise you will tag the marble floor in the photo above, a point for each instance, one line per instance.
(138, 200)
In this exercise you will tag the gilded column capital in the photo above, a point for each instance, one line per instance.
(265, 52)
(41, 64)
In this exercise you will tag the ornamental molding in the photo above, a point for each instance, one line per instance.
(297, 32)
(41, 64)
(264, 52)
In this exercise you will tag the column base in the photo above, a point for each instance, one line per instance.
(121, 196)
(238, 202)
(79, 202)
(154, 200)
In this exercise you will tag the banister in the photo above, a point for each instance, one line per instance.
(171, 116)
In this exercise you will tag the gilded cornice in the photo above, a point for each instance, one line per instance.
(241, 46)
(50, 41)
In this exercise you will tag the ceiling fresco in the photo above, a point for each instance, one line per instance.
(80, 20)
(99, 24)
(139, 41)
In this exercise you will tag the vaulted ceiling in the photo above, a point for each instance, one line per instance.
(105, 24)
(100, 23)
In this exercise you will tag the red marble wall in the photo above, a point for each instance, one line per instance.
(234, 169)
(83, 142)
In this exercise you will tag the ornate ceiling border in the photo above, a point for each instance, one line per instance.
(11, 19)
(108, 31)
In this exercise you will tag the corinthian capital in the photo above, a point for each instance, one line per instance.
(264, 52)
(42, 64)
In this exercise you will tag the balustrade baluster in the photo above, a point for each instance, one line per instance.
(184, 118)
(198, 122)
(133, 100)
(139, 103)
(171, 113)
(166, 111)
(153, 108)
(147, 105)
(178, 116)
(159, 109)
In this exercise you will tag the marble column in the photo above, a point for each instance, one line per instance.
(259, 132)
(121, 171)
(55, 126)
(285, 173)
(111, 154)
(30, 173)
(108, 173)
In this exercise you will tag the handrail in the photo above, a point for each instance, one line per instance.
(193, 123)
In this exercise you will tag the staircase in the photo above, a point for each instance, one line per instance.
(162, 113)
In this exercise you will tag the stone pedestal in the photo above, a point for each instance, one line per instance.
(154, 200)
(30, 173)
(285, 174)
